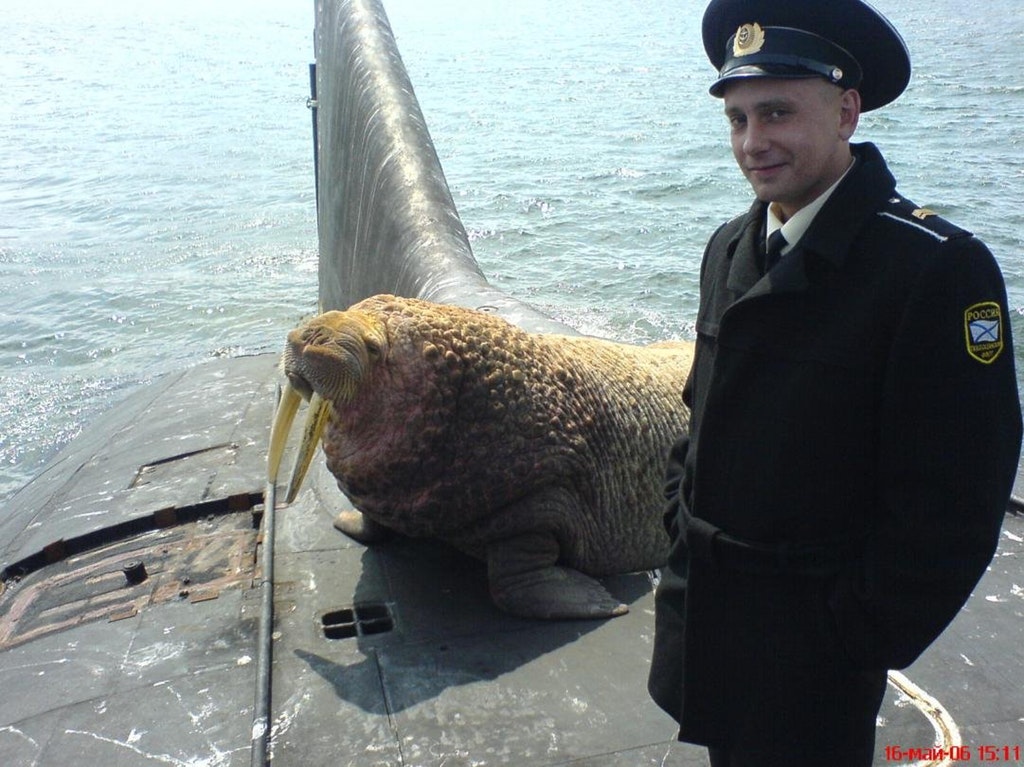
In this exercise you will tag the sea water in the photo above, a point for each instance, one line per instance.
(156, 182)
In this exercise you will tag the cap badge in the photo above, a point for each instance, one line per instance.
(749, 39)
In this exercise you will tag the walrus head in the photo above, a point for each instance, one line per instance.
(325, 361)
(331, 354)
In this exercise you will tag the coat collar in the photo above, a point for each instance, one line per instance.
(827, 241)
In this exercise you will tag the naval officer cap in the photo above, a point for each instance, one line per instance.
(847, 42)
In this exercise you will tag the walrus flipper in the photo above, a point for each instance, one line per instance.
(525, 581)
(360, 527)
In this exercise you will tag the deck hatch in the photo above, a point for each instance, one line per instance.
(116, 573)
(357, 621)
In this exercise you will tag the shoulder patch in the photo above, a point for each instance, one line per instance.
(983, 331)
(922, 219)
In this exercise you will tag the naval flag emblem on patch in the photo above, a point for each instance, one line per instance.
(983, 325)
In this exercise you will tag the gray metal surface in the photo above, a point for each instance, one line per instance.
(161, 450)
(98, 670)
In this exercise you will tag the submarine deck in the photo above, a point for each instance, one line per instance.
(391, 655)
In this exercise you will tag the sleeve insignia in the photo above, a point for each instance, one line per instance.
(922, 213)
(983, 325)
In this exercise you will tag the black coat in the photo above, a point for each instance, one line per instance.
(859, 400)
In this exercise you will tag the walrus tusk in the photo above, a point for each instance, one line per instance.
(286, 409)
(316, 418)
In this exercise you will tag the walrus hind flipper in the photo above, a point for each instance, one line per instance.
(359, 527)
(525, 583)
(555, 593)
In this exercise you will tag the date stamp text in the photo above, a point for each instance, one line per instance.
(984, 753)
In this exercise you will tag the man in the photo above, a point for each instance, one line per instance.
(855, 423)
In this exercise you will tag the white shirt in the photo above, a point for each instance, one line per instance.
(795, 228)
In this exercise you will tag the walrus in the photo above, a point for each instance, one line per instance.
(541, 454)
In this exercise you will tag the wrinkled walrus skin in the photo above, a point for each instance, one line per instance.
(544, 455)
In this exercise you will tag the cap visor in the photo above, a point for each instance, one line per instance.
(717, 88)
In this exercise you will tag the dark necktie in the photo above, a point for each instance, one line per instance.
(776, 242)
